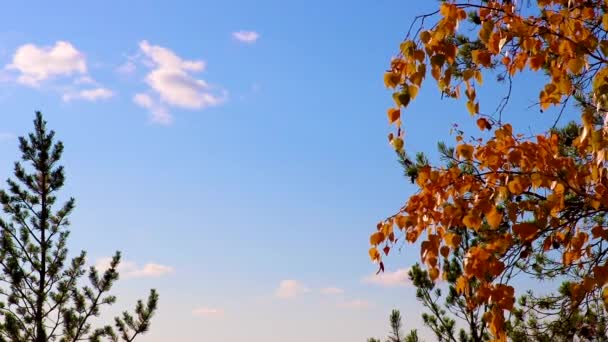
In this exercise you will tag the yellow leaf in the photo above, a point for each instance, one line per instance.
(565, 85)
(576, 65)
(515, 186)
(413, 91)
(452, 240)
(397, 143)
(467, 74)
(465, 151)
(461, 284)
(494, 218)
(401, 221)
(419, 55)
(376, 238)
(391, 79)
(605, 21)
(568, 258)
(537, 180)
(407, 48)
(605, 290)
(558, 188)
(374, 254)
(436, 72)
(478, 77)
(473, 108)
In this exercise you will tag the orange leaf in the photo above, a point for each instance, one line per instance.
(576, 65)
(494, 218)
(461, 284)
(425, 36)
(452, 240)
(413, 91)
(515, 186)
(393, 115)
(525, 230)
(599, 232)
(472, 220)
(373, 254)
(482, 57)
(376, 238)
(391, 79)
(482, 123)
(601, 274)
(465, 151)
(537, 61)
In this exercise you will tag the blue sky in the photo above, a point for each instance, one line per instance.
(235, 151)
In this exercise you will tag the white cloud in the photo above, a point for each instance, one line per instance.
(129, 269)
(204, 311)
(62, 62)
(389, 279)
(331, 291)
(88, 95)
(249, 37)
(158, 113)
(36, 64)
(355, 304)
(172, 80)
(290, 288)
(150, 270)
(166, 58)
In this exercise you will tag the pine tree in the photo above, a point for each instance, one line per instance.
(395, 320)
(396, 334)
(42, 296)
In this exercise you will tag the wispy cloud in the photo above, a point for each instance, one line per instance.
(205, 311)
(290, 288)
(129, 269)
(93, 95)
(248, 37)
(159, 114)
(389, 279)
(331, 291)
(128, 68)
(172, 82)
(7, 136)
(85, 80)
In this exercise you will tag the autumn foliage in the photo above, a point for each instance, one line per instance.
(526, 197)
